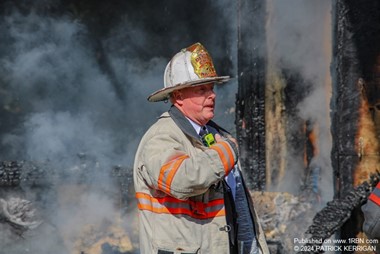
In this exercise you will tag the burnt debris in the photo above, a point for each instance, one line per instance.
(337, 212)
(10, 173)
(250, 99)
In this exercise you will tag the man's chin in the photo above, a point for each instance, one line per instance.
(210, 116)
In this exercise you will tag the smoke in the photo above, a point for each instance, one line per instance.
(225, 61)
(78, 104)
(69, 112)
(300, 41)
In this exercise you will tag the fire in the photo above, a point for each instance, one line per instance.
(311, 149)
(366, 142)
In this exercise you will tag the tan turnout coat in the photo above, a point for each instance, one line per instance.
(178, 184)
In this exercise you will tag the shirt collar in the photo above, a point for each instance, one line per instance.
(196, 126)
(185, 125)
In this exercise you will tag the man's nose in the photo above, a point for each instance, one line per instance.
(212, 94)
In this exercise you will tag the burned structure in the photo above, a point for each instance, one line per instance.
(307, 112)
(250, 100)
(356, 151)
(337, 149)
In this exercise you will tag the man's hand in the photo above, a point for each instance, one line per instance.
(233, 142)
(218, 138)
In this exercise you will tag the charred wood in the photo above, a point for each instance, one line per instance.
(346, 99)
(23, 175)
(10, 173)
(338, 211)
(250, 101)
(355, 54)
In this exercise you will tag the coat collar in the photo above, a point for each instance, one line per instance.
(184, 124)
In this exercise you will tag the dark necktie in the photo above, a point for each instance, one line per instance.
(203, 131)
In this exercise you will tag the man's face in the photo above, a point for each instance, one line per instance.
(197, 103)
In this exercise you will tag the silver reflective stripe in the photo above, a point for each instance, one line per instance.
(166, 173)
(225, 154)
(186, 205)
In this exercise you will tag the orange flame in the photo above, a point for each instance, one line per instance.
(366, 143)
(312, 140)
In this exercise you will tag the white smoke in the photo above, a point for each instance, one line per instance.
(80, 118)
(301, 41)
(71, 111)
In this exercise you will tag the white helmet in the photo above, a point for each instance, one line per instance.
(190, 67)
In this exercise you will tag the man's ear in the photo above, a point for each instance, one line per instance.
(177, 97)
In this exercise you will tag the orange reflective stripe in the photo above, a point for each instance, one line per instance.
(221, 155)
(170, 205)
(230, 155)
(168, 171)
(225, 155)
(375, 195)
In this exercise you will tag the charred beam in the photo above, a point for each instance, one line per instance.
(355, 51)
(23, 175)
(250, 102)
(337, 212)
(345, 104)
(10, 173)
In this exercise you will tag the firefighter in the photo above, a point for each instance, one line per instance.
(371, 213)
(190, 192)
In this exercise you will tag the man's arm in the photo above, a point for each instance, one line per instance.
(167, 167)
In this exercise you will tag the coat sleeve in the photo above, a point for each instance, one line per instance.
(371, 213)
(166, 166)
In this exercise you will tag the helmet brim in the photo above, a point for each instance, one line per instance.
(163, 94)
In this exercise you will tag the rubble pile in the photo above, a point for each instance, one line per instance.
(19, 213)
(283, 218)
(32, 194)
(105, 237)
